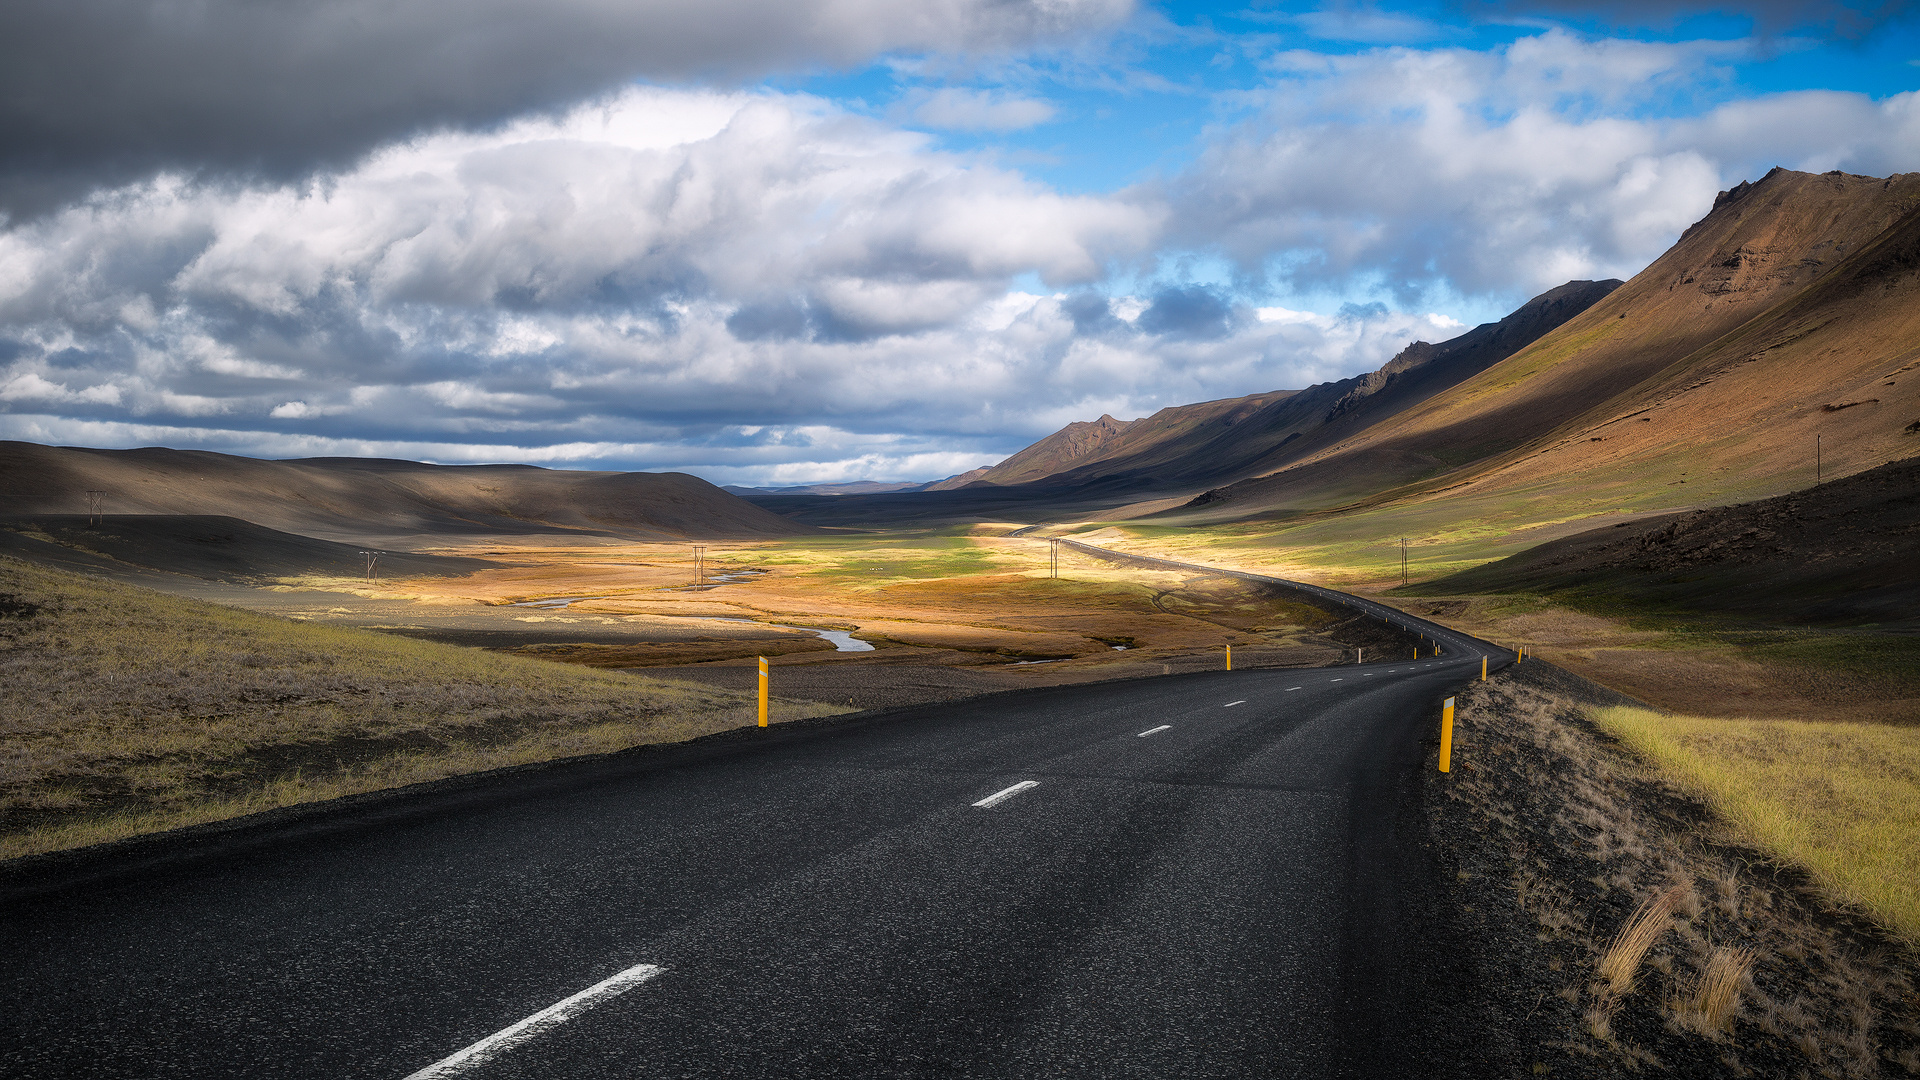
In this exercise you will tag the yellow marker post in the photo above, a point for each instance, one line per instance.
(1483, 669)
(763, 691)
(1446, 737)
(1229, 658)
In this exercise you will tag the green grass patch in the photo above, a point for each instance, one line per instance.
(875, 560)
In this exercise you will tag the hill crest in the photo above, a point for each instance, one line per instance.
(379, 500)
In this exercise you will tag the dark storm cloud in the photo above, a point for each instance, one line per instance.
(98, 92)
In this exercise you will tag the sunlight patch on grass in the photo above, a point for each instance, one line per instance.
(1841, 801)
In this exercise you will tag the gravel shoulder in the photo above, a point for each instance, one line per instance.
(1548, 837)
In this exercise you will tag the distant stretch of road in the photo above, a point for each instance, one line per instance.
(1212, 875)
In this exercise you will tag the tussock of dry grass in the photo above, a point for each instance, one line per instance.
(1709, 1010)
(1621, 962)
(1841, 800)
(123, 711)
(1795, 981)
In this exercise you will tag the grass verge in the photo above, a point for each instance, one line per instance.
(1613, 923)
(125, 711)
(1840, 800)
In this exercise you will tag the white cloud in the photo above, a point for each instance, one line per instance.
(99, 93)
(959, 109)
(1369, 25)
(764, 286)
(32, 386)
(1501, 172)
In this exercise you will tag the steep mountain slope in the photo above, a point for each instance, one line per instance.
(1190, 444)
(1791, 311)
(1121, 468)
(365, 499)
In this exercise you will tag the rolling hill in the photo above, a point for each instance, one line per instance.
(206, 547)
(1835, 553)
(366, 500)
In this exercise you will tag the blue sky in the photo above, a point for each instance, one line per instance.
(774, 243)
(1132, 111)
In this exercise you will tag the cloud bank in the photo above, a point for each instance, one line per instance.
(1503, 171)
(667, 277)
(104, 91)
(771, 287)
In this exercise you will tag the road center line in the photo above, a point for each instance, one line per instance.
(991, 800)
(1231, 704)
(460, 1062)
(1337, 680)
(1153, 731)
(1290, 689)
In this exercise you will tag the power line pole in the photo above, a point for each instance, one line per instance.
(700, 566)
(1403, 560)
(1053, 546)
(94, 499)
(1816, 461)
(373, 564)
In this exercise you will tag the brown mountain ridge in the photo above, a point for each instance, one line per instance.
(1121, 468)
(376, 500)
(1789, 312)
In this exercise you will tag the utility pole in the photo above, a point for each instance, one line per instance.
(373, 564)
(1816, 461)
(700, 565)
(94, 499)
(1053, 547)
(1403, 560)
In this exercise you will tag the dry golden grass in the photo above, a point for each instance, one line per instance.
(930, 590)
(1709, 1009)
(1700, 669)
(1620, 964)
(1545, 778)
(1840, 800)
(123, 710)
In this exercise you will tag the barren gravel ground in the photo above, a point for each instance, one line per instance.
(1551, 836)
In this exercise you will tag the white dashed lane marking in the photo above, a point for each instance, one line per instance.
(1231, 704)
(1153, 731)
(998, 797)
(463, 1061)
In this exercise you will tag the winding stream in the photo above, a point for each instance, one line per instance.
(843, 640)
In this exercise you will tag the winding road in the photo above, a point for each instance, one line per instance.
(1204, 875)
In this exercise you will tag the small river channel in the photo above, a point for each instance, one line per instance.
(843, 640)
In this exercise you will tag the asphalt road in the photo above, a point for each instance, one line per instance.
(1206, 875)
